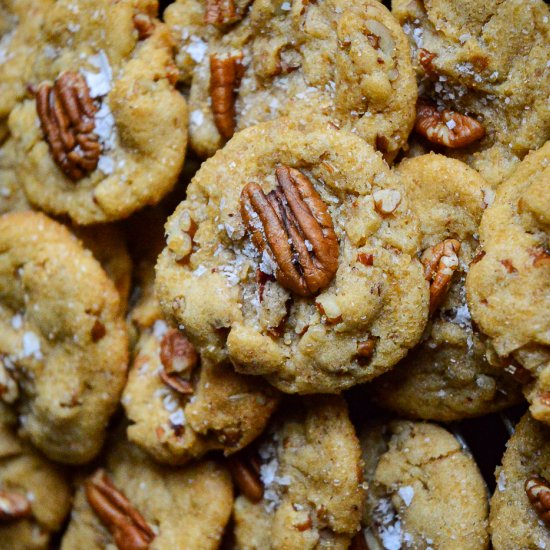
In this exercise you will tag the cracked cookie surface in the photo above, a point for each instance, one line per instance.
(509, 287)
(63, 343)
(106, 132)
(241, 299)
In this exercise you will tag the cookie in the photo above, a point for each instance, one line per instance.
(347, 61)
(509, 287)
(316, 286)
(63, 343)
(425, 491)
(447, 376)
(180, 406)
(34, 494)
(131, 502)
(12, 196)
(517, 518)
(301, 485)
(483, 78)
(106, 132)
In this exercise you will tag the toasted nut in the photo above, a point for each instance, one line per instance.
(225, 78)
(440, 262)
(66, 112)
(13, 506)
(386, 200)
(446, 127)
(220, 12)
(129, 529)
(246, 475)
(540, 255)
(538, 492)
(425, 59)
(144, 25)
(328, 306)
(178, 357)
(365, 259)
(366, 347)
(293, 226)
(98, 331)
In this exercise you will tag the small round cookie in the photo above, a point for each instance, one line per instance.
(425, 491)
(35, 497)
(133, 503)
(63, 343)
(518, 517)
(106, 131)
(509, 287)
(447, 376)
(301, 486)
(346, 60)
(315, 285)
(12, 196)
(180, 406)
(483, 69)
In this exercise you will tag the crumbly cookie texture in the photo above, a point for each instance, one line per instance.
(63, 343)
(514, 521)
(309, 478)
(35, 495)
(12, 196)
(122, 144)
(447, 377)
(178, 508)
(202, 407)
(360, 302)
(348, 61)
(486, 60)
(509, 287)
(425, 491)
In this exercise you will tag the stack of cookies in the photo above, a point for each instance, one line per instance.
(274, 275)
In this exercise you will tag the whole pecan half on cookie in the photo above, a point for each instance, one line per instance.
(538, 493)
(178, 357)
(13, 506)
(66, 112)
(292, 225)
(127, 526)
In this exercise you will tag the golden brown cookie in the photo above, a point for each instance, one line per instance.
(63, 343)
(12, 196)
(509, 287)
(315, 285)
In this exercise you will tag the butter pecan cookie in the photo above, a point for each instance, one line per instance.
(34, 495)
(12, 196)
(447, 376)
(132, 503)
(520, 507)
(509, 287)
(63, 343)
(106, 132)
(294, 255)
(301, 484)
(346, 60)
(425, 491)
(483, 77)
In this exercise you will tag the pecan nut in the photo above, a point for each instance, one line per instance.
(225, 78)
(292, 225)
(13, 506)
(127, 526)
(538, 493)
(66, 112)
(144, 25)
(426, 58)
(245, 472)
(440, 262)
(220, 12)
(446, 127)
(178, 357)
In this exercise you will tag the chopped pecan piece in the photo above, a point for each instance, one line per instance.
(293, 225)
(538, 492)
(178, 357)
(366, 259)
(540, 256)
(13, 506)
(425, 58)
(66, 112)
(127, 526)
(366, 347)
(386, 201)
(220, 12)
(440, 262)
(144, 25)
(225, 78)
(446, 127)
(246, 475)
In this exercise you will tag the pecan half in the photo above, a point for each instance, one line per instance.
(127, 526)
(538, 493)
(13, 506)
(220, 12)
(246, 475)
(446, 127)
(66, 112)
(178, 357)
(225, 78)
(293, 226)
(440, 262)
